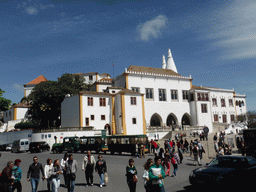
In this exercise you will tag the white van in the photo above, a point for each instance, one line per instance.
(20, 145)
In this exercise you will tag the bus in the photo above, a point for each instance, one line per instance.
(93, 143)
(126, 143)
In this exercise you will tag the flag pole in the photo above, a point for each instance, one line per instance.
(113, 71)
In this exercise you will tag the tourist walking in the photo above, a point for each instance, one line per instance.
(62, 164)
(47, 173)
(175, 161)
(145, 175)
(136, 150)
(88, 166)
(180, 152)
(156, 175)
(17, 173)
(33, 174)
(196, 155)
(6, 179)
(216, 147)
(101, 168)
(221, 151)
(201, 150)
(131, 175)
(167, 163)
(142, 150)
(71, 169)
(55, 175)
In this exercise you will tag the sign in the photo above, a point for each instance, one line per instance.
(206, 129)
(103, 133)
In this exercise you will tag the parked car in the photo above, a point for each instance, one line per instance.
(38, 147)
(20, 145)
(225, 170)
(8, 147)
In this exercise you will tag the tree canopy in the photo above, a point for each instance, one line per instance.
(47, 96)
(4, 103)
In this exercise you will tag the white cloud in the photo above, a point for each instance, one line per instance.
(32, 7)
(232, 29)
(152, 28)
(31, 10)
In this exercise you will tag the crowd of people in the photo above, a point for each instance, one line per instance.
(153, 175)
(11, 174)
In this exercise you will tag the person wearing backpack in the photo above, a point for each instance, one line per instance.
(174, 161)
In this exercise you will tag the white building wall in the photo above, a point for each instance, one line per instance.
(243, 109)
(87, 79)
(103, 87)
(70, 112)
(163, 108)
(133, 111)
(228, 110)
(97, 111)
(21, 113)
(8, 115)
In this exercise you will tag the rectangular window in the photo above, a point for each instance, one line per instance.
(102, 101)
(204, 108)
(185, 95)
(149, 93)
(136, 89)
(102, 117)
(232, 118)
(223, 104)
(216, 118)
(87, 121)
(230, 102)
(133, 100)
(192, 97)
(90, 101)
(162, 95)
(92, 117)
(174, 94)
(134, 121)
(90, 77)
(214, 102)
(224, 118)
(202, 97)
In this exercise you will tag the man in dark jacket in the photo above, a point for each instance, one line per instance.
(6, 178)
(34, 173)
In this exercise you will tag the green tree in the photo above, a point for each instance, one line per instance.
(251, 116)
(4, 103)
(46, 99)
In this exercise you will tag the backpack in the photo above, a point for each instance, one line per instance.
(173, 161)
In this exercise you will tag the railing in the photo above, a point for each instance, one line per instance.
(174, 128)
(63, 129)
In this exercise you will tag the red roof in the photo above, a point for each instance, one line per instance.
(37, 80)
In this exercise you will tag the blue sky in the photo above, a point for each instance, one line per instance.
(213, 41)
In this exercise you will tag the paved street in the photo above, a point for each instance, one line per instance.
(116, 169)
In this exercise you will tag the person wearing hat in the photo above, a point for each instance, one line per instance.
(17, 173)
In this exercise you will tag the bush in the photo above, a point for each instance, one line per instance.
(25, 125)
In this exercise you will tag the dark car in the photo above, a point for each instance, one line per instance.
(38, 147)
(226, 170)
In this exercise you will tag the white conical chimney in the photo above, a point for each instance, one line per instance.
(170, 63)
(163, 63)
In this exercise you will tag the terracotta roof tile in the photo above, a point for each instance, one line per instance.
(37, 80)
(152, 70)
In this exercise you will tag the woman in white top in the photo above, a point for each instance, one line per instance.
(47, 172)
(62, 164)
(55, 175)
(146, 174)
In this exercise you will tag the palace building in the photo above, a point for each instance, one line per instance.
(143, 100)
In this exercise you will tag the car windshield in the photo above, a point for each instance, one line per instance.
(228, 162)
